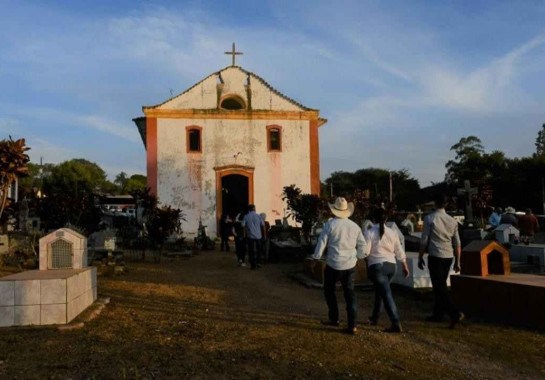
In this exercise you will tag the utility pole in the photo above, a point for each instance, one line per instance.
(391, 190)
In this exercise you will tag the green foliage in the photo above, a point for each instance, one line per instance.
(304, 208)
(373, 185)
(540, 141)
(13, 164)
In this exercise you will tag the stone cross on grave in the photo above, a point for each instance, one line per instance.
(233, 53)
(467, 191)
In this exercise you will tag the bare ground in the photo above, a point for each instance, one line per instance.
(206, 318)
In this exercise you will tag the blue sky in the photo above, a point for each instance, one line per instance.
(399, 81)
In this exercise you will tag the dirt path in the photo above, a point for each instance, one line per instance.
(206, 318)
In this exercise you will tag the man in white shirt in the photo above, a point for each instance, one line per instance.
(441, 240)
(254, 225)
(345, 243)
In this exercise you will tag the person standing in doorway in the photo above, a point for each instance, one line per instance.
(384, 248)
(226, 227)
(265, 241)
(344, 242)
(441, 240)
(254, 227)
(238, 233)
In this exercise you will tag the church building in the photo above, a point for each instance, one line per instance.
(228, 141)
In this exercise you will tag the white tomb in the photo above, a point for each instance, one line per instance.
(58, 292)
(503, 232)
(417, 278)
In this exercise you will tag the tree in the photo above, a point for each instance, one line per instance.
(13, 164)
(71, 191)
(136, 182)
(467, 163)
(121, 180)
(374, 185)
(540, 141)
(304, 208)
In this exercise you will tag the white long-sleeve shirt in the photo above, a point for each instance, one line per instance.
(344, 242)
(387, 249)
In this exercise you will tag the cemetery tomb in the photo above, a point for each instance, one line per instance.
(481, 258)
(418, 278)
(487, 288)
(58, 292)
(506, 233)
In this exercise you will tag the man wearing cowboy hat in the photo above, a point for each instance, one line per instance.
(345, 244)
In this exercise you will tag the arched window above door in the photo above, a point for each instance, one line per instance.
(232, 102)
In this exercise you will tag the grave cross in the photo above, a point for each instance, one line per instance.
(467, 191)
(233, 53)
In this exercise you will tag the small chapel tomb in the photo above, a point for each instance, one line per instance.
(506, 233)
(58, 292)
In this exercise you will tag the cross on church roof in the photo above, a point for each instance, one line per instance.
(233, 52)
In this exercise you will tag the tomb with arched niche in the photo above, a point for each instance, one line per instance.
(58, 292)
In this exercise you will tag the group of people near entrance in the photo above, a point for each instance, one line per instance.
(344, 242)
(251, 233)
(527, 223)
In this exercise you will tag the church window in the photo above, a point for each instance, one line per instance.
(232, 103)
(194, 139)
(274, 138)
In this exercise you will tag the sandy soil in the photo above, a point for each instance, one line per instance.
(206, 318)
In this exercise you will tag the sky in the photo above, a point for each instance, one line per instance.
(400, 82)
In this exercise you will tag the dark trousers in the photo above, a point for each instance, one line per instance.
(224, 243)
(346, 277)
(240, 248)
(439, 272)
(254, 251)
(381, 275)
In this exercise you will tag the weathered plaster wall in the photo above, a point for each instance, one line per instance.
(204, 94)
(188, 180)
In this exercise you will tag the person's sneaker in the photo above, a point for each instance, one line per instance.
(457, 320)
(351, 330)
(393, 329)
(330, 323)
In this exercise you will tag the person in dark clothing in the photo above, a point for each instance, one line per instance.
(240, 241)
(509, 217)
(226, 227)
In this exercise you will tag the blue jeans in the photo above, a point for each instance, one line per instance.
(381, 275)
(346, 277)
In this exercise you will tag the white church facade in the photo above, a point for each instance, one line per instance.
(229, 141)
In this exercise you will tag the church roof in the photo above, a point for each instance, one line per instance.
(245, 72)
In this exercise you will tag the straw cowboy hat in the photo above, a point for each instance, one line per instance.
(341, 208)
(510, 210)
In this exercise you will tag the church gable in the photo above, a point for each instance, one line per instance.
(231, 89)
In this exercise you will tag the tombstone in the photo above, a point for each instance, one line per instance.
(506, 233)
(58, 292)
(486, 287)
(482, 258)
(467, 192)
(418, 278)
(408, 224)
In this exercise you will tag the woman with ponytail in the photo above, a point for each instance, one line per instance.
(383, 248)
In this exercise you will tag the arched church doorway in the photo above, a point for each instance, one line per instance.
(234, 189)
(234, 194)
